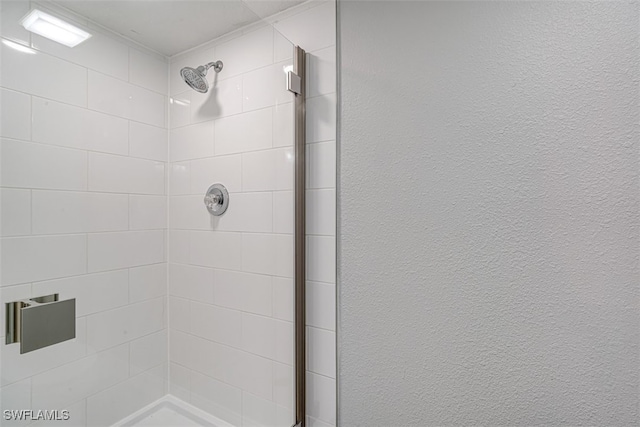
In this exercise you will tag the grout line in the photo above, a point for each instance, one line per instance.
(32, 211)
(87, 252)
(85, 150)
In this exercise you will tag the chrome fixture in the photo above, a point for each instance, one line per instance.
(217, 199)
(40, 322)
(196, 77)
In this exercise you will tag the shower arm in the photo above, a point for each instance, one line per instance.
(217, 66)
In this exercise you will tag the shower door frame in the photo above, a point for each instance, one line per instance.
(296, 84)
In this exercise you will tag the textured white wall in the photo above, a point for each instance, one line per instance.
(488, 213)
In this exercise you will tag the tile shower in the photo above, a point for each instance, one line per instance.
(106, 155)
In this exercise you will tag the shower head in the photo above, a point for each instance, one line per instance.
(196, 77)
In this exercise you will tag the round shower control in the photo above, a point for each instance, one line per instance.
(217, 199)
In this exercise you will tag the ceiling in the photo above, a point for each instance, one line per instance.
(171, 27)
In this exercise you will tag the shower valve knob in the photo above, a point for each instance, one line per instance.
(217, 199)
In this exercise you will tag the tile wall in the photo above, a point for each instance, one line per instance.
(314, 30)
(234, 273)
(84, 213)
(87, 164)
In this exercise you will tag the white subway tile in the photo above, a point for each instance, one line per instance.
(321, 354)
(229, 364)
(322, 165)
(265, 87)
(282, 48)
(77, 416)
(181, 349)
(69, 126)
(179, 314)
(243, 291)
(148, 352)
(321, 397)
(244, 132)
(66, 384)
(56, 212)
(179, 242)
(284, 342)
(284, 255)
(189, 212)
(33, 74)
(217, 324)
(216, 249)
(247, 52)
(203, 358)
(109, 251)
(148, 71)
(28, 259)
(321, 212)
(313, 29)
(109, 328)
(180, 110)
(321, 74)
(11, 13)
(122, 99)
(283, 125)
(268, 170)
(216, 397)
(30, 165)
(16, 366)
(195, 283)
(283, 384)
(321, 259)
(123, 399)
(285, 162)
(321, 118)
(191, 142)
(283, 212)
(321, 305)
(15, 397)
(259, 335)
(259, 253)
(257, 411)
(223, 99)
(147, 212)
(259, 171)
(100, 52)
(119, 174)
(15, 212)
(248, 212)
(147, 282)
(148, 142)
(225, 169)
(179, 178)
(257, 375)
(15, 114)
(283, 298)
(314, 422)
(180, 382)
(93, 292)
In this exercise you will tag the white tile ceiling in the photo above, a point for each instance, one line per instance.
(173, 26)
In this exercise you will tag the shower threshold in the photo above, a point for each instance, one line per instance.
(169, 411)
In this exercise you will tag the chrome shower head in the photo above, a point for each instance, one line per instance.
(196, 77)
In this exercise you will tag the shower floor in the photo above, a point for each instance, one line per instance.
(170, 411)
(166, 417)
